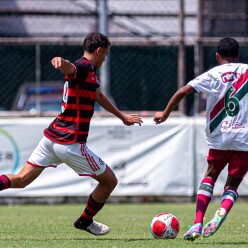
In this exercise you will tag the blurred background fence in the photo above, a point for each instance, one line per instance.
(157, 47)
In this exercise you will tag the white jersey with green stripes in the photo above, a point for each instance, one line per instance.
(226, 88)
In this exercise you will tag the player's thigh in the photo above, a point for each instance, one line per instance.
(81, 159)
(43, 155)
(217, 160)
(238, 165)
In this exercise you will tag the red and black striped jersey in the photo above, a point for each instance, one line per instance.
(79, 95)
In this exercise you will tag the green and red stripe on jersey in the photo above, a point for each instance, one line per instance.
(237, 91)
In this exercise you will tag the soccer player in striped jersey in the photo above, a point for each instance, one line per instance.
(65, 139)
(226, 88)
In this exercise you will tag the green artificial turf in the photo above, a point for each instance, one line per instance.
(52, 226)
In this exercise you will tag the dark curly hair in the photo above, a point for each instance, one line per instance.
(228, 47)
(95, 40)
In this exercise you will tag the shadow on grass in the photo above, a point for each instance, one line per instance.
(75, 239)
(149, 239)
(218, 243)
(113, 239)
(198, 242)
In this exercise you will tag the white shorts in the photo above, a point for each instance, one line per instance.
(77, 156)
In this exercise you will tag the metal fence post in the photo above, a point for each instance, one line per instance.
(105, 68)
(198, 67)
(37, 79)
(181, 54)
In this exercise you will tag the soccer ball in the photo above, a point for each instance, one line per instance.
(165, 226)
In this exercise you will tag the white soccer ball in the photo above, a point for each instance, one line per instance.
(165, 226)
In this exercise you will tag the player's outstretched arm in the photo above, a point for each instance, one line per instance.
(65, 66)
(127, 119)
(160, 117)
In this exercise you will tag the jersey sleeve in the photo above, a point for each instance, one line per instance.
(202, 83)
(82, 71)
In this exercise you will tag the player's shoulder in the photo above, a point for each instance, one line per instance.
(230, 67)
(82, 61)
(234, 65)
(83, 64)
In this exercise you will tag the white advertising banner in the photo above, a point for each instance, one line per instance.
(147, 160)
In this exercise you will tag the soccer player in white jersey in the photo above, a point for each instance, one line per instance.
(226, 88)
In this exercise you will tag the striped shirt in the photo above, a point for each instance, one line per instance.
(79, 95)
(226, 88)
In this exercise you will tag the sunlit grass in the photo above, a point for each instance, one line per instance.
(52, 226)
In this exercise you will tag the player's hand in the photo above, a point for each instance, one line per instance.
(57, 62)
(131, 119)
(159, 117)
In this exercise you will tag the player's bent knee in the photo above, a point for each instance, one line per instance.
(112, 184)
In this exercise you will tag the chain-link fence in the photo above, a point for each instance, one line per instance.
(155, 46)
(137, 82)
(224, 18)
